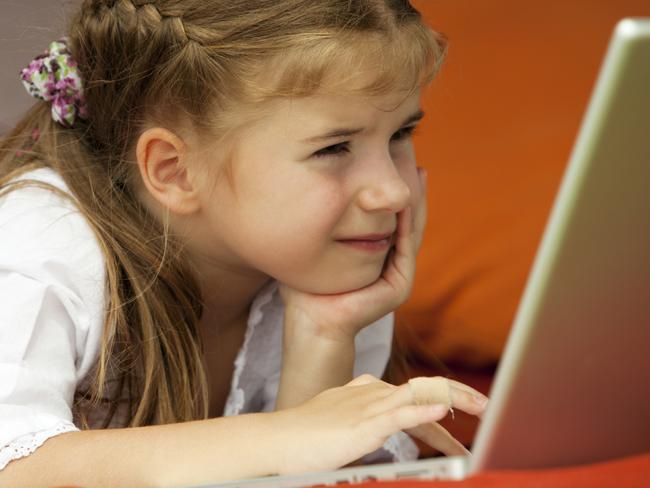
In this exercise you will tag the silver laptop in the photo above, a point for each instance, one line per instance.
(573, 384)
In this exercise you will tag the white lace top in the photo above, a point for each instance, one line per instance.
(51, 317)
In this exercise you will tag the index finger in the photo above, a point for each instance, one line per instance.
(443, 391)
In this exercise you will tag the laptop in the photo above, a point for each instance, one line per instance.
(573, 384)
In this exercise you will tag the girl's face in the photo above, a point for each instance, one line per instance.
(312, 173)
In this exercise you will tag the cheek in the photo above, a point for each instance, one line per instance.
(294, 224)
(312, 217)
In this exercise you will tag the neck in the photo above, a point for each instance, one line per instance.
(227, 294)
(227, 287)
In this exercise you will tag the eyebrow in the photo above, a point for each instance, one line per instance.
(345, 132)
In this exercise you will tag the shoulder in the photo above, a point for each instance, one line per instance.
(44, 236)
(52, 284)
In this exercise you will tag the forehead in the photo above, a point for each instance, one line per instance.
(302, 117)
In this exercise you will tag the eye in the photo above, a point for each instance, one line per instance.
(344, 147)
(403, 133)
(335, 150)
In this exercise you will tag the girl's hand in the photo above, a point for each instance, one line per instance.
(341, 316)
(342, 424)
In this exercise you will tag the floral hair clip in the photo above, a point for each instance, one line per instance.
(53, 76)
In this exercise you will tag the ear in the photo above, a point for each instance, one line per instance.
(162, 161)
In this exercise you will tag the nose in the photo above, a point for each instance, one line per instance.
(384, 188)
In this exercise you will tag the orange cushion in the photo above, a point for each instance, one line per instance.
(501, 120)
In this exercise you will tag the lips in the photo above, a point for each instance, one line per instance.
(369, 242)
(369, 237)
(373, 243)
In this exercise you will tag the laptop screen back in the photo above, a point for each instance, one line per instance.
(573, 385)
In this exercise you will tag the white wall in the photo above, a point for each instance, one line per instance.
(26, 29)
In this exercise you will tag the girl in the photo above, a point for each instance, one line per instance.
(207, 221)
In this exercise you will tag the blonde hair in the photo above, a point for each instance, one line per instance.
(202, 66)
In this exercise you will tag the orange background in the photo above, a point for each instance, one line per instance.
(501, 120)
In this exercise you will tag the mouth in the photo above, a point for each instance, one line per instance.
(371, 242)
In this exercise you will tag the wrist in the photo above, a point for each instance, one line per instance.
(299, 326)
(319, 356)
(310, 367)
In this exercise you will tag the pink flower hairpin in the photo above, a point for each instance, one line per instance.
(53, 76)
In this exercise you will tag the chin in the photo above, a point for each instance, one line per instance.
(345, 282)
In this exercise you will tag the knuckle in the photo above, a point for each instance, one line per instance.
(368, 411)
(368, 377)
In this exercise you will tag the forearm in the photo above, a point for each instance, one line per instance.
(188, 453)
(311, 365)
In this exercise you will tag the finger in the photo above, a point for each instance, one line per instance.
(439, 389)
(363, 379)
(400, 266)
(405, 228)
(392, 421)
(439, 438)
(468, 400)
(464, 387)
(400, 396)
(436, 390)
(425, 390)
(461, 389)
(420, 217)
(422, 173)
